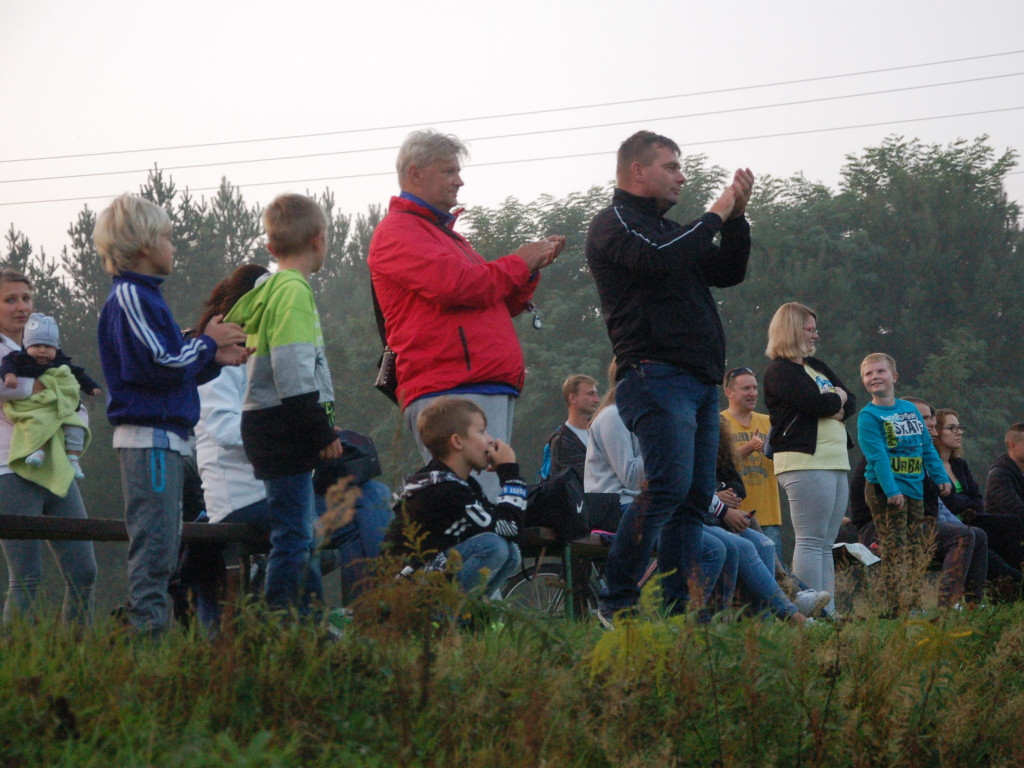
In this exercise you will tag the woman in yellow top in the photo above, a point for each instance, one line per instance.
(807, 404)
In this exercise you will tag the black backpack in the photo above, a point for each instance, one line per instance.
(558, 503)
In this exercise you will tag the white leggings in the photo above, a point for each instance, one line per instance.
(817, 503)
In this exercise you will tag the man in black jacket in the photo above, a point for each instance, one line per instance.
(568, 443)
(1004, 489)
(653, 277)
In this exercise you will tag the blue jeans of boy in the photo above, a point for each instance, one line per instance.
(499, 556)
(291, 582)
(675, 418)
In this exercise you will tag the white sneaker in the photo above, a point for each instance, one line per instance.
(810, 601)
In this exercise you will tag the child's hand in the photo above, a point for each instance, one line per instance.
(225, 334)
(897, 501)
(500, 453)
(332, 451)
(233, 355)
(10, 381)
(945, 489)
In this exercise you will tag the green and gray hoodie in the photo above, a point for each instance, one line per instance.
(288, 413)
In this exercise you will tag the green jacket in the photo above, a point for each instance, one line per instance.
(287, 416)
(37, 424)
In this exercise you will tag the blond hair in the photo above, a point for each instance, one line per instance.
(786, 331)
(126, 229)
(572, 384)
(424, 148)
(292, 223)
(879, 357)
(444, 417)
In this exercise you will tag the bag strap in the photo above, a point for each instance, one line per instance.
(379, 314)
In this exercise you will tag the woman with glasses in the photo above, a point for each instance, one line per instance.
(949, 442)
(808, 404)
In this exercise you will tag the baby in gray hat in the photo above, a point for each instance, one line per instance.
(40, 353)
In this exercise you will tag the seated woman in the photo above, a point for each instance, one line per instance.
(1005, 532)
(614, 465)
(736, 529)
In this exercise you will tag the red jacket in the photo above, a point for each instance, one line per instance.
(448, 311)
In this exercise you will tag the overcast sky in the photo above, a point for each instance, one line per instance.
(101, 77)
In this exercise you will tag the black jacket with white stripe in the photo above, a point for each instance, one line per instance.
(449, 510)
(654, 276)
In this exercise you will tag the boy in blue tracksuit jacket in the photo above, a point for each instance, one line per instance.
(899, 454)
(151, 374)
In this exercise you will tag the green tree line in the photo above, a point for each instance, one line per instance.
(917, 253)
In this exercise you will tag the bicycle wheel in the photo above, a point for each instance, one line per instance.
(544, 593)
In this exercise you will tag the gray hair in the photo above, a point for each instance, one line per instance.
(424, 148)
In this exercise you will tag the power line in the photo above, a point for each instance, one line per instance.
(527, 113)
(520, 134)
(560, 157)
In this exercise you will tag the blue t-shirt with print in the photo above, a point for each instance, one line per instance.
(898, 449)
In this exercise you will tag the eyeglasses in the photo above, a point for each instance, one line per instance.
(738, 372)
(957, 429)
(811, 330)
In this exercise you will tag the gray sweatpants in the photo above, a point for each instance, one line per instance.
(151, 479)
(817, 503)
(499, 410)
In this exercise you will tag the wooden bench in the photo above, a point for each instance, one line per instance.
(576, 558)
(251, 541)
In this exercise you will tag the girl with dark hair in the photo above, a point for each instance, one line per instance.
(231, 490)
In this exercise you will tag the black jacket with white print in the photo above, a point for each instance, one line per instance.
(449, 510)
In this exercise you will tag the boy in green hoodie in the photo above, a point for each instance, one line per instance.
(288, 413)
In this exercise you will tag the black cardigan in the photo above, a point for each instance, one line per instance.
(970, 498)
(795, 404)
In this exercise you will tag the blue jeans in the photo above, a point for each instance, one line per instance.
(291, 581)
(747, 554)
(75, 559)
(208, 600)
(713, 557)
(360, 540)
(774, 532)
(256, 514)
(487, 550)
(712, 561)
(675, 418)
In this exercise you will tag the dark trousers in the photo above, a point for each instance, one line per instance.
(904, 551)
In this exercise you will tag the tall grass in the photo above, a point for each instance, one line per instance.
(425, 676)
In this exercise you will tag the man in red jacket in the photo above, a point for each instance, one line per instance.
(447, 311)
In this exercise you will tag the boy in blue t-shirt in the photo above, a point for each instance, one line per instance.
(899, 453)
